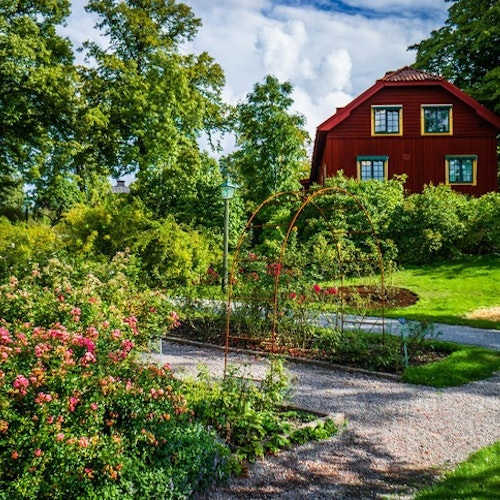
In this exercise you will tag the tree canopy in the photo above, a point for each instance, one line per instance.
(37, 89)
(466, 50)
(271, 141)
(156, 99)
(139, 104)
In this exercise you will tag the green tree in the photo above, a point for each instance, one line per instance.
(152, 100)
(466, 50)
(11, 195)
(54, 195)
(271, 153)
(37, 86)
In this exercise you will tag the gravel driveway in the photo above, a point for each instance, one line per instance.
(398, 436)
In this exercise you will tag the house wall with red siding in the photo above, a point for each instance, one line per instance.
(421, 158)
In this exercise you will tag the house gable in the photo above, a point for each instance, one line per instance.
(350, 131)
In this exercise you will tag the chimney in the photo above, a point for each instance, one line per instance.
(120, 187)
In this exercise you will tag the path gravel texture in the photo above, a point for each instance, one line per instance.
(398, 437)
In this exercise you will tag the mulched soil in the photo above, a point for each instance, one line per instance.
(372, 298)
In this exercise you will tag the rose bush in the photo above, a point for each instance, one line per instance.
(82, 415)
(99, 291)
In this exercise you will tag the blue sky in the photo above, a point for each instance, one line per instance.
(330, 51)
(372, 9)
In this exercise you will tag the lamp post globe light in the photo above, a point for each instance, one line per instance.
(227, 192)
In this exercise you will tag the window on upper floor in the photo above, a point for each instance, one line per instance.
(387, 120)
(437, 119)
(372, 167)
(461, 169)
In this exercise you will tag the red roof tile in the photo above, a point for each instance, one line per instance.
(409, 74)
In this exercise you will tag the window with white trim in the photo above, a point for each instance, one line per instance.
(461, 169)
(387, 120)
(437, 119)
(372, 167)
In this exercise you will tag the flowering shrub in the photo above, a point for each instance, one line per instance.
(81, 415)
(83, 418)
(83, 296)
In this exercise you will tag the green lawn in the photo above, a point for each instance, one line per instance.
(462, 366)
(478, 478)
(449, 291)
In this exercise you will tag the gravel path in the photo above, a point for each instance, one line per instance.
(398, 436)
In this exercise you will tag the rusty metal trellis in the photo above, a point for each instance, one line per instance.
(301, 199)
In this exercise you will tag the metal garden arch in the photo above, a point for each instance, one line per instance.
(299, 200)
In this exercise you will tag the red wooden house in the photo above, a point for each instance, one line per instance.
(415, 123)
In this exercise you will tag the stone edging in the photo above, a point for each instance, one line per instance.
(305, 361)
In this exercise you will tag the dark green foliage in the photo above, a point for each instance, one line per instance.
(11, 196)
(174, 255)
(483, 226)
(440, 223)
(21, 247)
(381, 200)
(105, 228)
(247, 415)
(466, 50)
(169, 253)
(37, 85)
(154, 101)
(437, 224)
(271, 150)
(39, 99)
(192, 460)
(430, 225)
(56, 194)
(140, 105)
(373, 351)
(342, 231)
(189, 191)
(244, 414)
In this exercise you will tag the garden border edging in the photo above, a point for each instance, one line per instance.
(306, 361)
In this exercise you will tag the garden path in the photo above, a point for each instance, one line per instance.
(398, 436)
(447, 333)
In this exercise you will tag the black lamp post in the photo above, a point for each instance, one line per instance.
(26, 206)
(227, 192)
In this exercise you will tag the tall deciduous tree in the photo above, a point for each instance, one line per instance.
(271, 142)
(37, 89)
(154, 99)
(466, 50)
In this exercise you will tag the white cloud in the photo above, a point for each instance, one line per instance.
(334, 72)
(330, 56)
(281, 47)
(81, 24)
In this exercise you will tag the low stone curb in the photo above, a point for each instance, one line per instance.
(293, 359)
